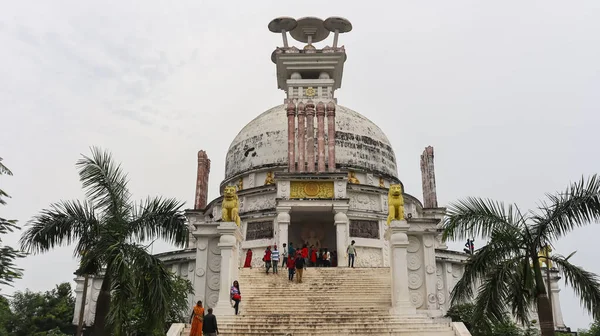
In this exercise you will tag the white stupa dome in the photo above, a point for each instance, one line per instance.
(263, 143)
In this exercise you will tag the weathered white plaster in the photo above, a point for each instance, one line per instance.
(263, 142)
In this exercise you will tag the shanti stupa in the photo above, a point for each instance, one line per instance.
(313, 171)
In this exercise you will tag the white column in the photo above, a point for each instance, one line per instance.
(430, 275)
(341, 234)
(559, 323)
(199, 280)
(400, 294)
(230, 235)
(283, 223)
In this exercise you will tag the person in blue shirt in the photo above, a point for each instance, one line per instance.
(291, 250)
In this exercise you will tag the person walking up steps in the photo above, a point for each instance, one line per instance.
(291, 267)
(197, 319)
(267, 258)
(351, 250)
(209, 328)
(275, 259)
(304, 253)
(313, 256)
(300, 263)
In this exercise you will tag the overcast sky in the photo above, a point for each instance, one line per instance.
(506, 91)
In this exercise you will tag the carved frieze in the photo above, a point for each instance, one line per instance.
(365, 202)
(370, 179)
(369, 257)
(251, 180)
(415, 280)
(216, 212)
(311, 189)
(214, 281)
(413, 262)
(283, 189)
(260, 202)
(414, 244)
(340, 189)
(259, 230)
(416, 298)
(364, 228)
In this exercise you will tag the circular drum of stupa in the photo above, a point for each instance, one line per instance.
(263, 143)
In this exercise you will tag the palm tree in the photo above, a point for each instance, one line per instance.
(507, 271)
(105, 229)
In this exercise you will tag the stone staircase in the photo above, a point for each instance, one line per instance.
(329, 302)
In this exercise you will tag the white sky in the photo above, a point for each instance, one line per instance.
(506, 92)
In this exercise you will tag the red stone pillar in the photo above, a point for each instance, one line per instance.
(202, 181)
(321, 139)
(428, 179)
(301, 137)
(310, 132)
(291, 115)
(331, 135)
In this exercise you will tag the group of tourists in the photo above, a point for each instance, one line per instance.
(203, 324)
(296, 260)
(206, 324)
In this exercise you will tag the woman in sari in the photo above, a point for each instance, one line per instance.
(197, 319)
(236, 295)
(248, 262)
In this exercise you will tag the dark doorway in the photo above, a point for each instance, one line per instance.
(313, 226)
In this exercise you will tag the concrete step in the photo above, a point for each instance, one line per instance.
(329, 301)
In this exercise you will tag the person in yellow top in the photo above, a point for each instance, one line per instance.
(197, 319)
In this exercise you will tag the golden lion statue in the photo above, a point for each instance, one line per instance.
(231, 206)
(395, 203)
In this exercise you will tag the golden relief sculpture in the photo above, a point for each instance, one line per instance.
(269, 179)
(543, 256)
(381, 183)
(231, 205)
(310, 92)
(352, 178)
(395, 203)
(311, 189)
(240, 184)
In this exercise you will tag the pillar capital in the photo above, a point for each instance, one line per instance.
(291, 109)
(230, 234)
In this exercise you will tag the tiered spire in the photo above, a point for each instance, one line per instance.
(310, 76)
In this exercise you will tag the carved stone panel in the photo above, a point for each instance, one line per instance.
(259, 230)
(364, 228)
(365, 202)
(283, 189)
(251, 178)
(369, 257)
(370, 179)
(260, 202)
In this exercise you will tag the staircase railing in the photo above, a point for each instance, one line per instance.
(176, 329)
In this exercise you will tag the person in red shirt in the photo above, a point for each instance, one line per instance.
(305, 254)
(313, 256)
(291, 265)
(267, 258)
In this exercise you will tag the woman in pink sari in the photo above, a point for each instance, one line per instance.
(248, 262)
